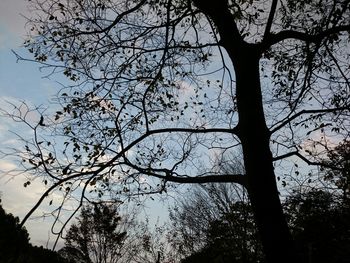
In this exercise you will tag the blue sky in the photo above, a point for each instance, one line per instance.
(23, 81)
(19, 81)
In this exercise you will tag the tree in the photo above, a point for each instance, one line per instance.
(159, 87)
(15, 245)
(14, 239)
(152, 246)
(97, 237)
(319, 219)
(337, 169)
(205, 205)
(102, 235)
(319, 222)
(214, 223)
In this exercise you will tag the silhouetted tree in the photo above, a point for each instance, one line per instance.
(14, 239)
(42, 255)
(320, 224)
(98, 236)
(102, 235)
(15, 246)
(319, 221)
(337, 168)
(160, 86)
(151, 245)
(215, 222)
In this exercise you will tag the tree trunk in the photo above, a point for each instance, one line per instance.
(254, 135)
(255, 138)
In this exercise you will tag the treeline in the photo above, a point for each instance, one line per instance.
(15, 246)
(215, 223)
(211, 227)
(212, 223)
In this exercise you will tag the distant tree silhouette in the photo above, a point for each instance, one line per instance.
(15, 246)
(215, 223)
(98, 236)
(158, 87)
(320, 223)
(337, 169)
(73, 254)
(14, 239)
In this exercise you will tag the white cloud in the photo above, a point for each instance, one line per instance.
(18, 200)
(11, 15)
(7, 166)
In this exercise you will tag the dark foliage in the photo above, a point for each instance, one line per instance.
(320, 223)
(232, 238)
(97, 236)
(338, 167)
(15, 246)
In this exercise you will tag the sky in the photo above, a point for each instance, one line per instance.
(23, 81)
(19, 81)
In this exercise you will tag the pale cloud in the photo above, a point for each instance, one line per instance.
(18, 200)
(12, 21)
(318, 142)
(19, 108)
(186, 89)
(7, 166)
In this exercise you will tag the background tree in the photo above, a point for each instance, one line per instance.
(319, 221)
(15, 246)
(102, 235)
(99, 235)
(214, 223)
(195, 212)
(210, 219)
(14, 239)
(152, 246)
(319, 218)
(337, 169)
(160, 86)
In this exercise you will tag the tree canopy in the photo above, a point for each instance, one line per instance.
(319, 223)
(98, 236)
(162, 88)
(15, 246)
(104, 233)
(214, 223)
